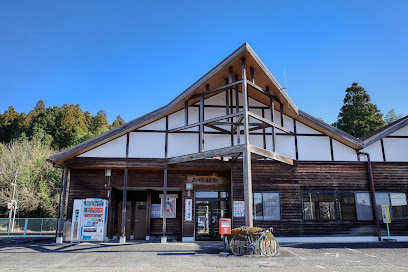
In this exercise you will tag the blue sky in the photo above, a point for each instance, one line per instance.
(130, 57)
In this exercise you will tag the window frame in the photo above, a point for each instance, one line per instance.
(318, 209)
(379, 212)
(253, 208)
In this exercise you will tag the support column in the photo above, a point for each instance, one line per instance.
(247, 154)
(164, 237)
(148, 213)
(60, 238)
(123, 229)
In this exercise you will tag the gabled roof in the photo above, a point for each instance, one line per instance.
(216, 77)
(380, 133)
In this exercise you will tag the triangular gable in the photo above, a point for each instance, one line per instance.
(215, 77)
(385, 131)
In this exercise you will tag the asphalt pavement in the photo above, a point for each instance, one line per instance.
(201, 256)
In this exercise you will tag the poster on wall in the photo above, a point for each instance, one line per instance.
(189, 210)
(156, 210)
(239, 208)
(170, 207)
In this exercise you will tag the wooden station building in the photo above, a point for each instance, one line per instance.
(235, 145)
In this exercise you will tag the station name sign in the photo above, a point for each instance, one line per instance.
(206, 180)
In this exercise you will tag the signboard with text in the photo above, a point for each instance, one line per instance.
(206, 180)
(239, 208)
(386, 213)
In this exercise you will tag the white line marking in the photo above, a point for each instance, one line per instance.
(303, 258)
(352, 249)
(64, 261)
(318, 266)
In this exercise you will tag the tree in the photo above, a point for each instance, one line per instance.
(391, 116)
(100, 123)
(118, 122)
(358, 116)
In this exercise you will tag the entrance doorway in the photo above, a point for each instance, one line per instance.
(210, 207)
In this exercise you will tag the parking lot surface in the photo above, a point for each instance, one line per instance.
(201, 256)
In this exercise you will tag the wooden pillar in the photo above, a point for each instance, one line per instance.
(148, 213)
(246, 154)
(123, 229)
(281, 114)
(201, 133)
(164, 238)
(230, 102)
(186, 113)
(272, 108)
(62, 211)
(237, 110)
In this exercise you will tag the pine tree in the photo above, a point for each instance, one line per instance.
(391, 116)
(358, 116)
(118, 122)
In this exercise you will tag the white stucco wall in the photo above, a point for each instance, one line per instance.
(285, 145)
(375, 152)
(342, 152)
(401, 132)
(146, 145)
(182, 144)
(113, 149)
(303, 129)
(156, 125)
(396, 149)
(314, 148)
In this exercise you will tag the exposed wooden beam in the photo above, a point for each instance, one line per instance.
(268, 122)
(236, 126)
(205, 122)
(231, 150)
(221, 88)
(186, 113)
(282, 115)
(259, 89)
(252, 74)
(269, 154)
(218, 128)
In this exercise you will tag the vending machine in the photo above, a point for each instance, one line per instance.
(89, 220)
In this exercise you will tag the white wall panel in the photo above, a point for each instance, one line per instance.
(314, 148)
(396, 149)
(113, 149)
(177, 120)
(256, 140)
(146, 145)
(218, 99)
(156, 125)
(214, 141)
(375, 152)
(341, 152)
(303, 129)
(285, 145)
(401, 132)
(210, 113)
(182, 144)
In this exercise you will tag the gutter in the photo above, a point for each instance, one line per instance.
(370, 177)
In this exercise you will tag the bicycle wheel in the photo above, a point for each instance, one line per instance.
(239, 245)
(269, 246)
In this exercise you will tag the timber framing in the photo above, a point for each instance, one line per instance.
(274, 92)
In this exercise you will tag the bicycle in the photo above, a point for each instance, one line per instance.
(245, 244)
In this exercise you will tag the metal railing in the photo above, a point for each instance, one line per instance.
(28, 227)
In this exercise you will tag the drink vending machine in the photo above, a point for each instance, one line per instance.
(89, 220)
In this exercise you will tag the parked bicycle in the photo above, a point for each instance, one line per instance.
(248, 244)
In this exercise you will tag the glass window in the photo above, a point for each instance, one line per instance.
(363, 206)
(318, 206)
(399, 205)
(381, 199)
(266, 206)
(211, 194)
(347, 206)
(310, 203)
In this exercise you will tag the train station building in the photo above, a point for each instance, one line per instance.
(235, 145)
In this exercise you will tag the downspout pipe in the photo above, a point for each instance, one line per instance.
(370, 177)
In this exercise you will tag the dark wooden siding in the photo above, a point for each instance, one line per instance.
(291, 181)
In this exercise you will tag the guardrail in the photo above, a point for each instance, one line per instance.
(28, 227)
